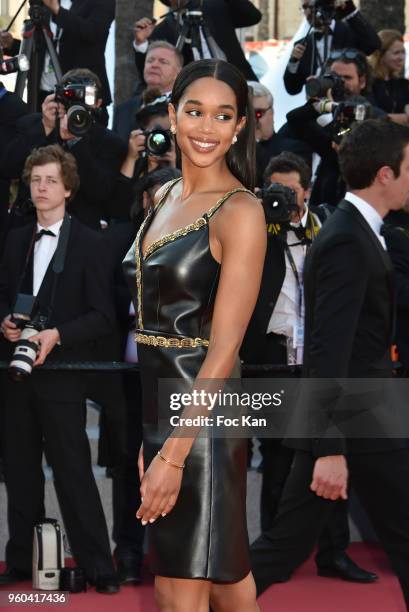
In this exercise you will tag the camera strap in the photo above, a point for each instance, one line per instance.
(59, 258)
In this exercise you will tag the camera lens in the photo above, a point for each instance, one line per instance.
(158, 142)
(24, 355)
(79, 120)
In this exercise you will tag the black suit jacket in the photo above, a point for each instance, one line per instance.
(85, 33)
(348, 282)
(11, 109)
(82, 310)
(397, 239)
(124, 117)
(356, 33)
(221, 17)
(253, 346)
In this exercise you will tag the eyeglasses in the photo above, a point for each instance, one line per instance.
(260, 112)
(349, 55)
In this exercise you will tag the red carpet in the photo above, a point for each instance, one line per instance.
(304, 593)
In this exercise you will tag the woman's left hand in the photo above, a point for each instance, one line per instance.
(159, 491)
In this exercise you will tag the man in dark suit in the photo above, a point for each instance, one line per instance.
(62, 264)
(348, 333)
(81, 29)
(221, 18)
(348, 29)
(269, 340)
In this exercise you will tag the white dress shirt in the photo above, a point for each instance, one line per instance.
(44, 250)
(371, 216)
(285, 313)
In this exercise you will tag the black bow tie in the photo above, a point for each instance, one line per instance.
(298, 230)
(44, 232)
(320, 35)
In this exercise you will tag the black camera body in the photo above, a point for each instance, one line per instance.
(325, 10)
(317, 87)
(279, 203)
(38, 12)
(158, 141)
(78, 99)
(26, 317)
(349, 112)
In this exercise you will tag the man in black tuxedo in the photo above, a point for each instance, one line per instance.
(62, 263)
(221, 18)
(348, 29)
(348, 282)
(269, 340)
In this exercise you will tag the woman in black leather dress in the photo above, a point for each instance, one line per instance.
(390, 89)
(198, 261)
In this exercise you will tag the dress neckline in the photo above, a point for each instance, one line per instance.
(181, 231)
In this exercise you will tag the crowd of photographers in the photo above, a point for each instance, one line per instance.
(109, 177)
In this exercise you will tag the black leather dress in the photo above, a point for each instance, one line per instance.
(175, 285)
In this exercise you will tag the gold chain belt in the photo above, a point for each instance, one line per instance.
(170, 342)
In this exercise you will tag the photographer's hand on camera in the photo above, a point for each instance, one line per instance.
(49, 110)
(10, 330)
(136, 146)
(65, 134)
(46, 340)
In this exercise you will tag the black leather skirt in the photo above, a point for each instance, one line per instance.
(205, 535)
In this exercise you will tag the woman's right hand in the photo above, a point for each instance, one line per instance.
(141, 466)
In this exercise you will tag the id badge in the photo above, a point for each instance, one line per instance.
(298, 341)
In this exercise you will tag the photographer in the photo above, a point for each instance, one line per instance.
(269, 143)
(80, 31)
(54, 286)
(99, 152)
(221, 17)
(275, 336)
(335, 99)
(345, 27)
(163, 64)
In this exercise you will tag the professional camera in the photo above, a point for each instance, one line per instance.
(317, 87)
(325, 10)
(25, 317)
(158, 141)
(347, 113)
(18, 63)
(78, 100)
(38, 12)
(279, 202)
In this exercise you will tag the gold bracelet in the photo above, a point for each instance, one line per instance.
(180, 467)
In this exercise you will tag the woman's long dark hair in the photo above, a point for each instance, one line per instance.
(241, 157)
